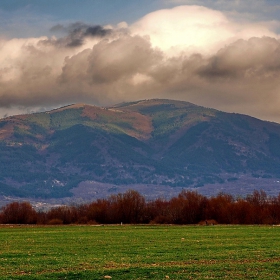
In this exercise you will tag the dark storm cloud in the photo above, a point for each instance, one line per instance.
(76, 34)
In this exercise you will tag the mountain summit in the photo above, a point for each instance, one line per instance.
(153, 142)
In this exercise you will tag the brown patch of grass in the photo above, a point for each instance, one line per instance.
(73, 106)
(141, 125)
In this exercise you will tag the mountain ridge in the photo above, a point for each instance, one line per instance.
(158, 142)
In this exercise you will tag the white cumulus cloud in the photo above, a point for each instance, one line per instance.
(195, 29)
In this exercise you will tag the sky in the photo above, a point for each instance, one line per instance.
(220, 54)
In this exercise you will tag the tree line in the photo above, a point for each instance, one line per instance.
(189, 207)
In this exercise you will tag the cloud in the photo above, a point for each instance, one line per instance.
(253, 58)
(77, 33)
(195, 29)
(244, 6)
(190, 53)
(242, 11)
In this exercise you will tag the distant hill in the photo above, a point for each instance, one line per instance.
(153, 142)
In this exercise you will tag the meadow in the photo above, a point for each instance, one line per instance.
(139, 252)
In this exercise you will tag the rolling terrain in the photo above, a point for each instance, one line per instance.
(163, 143)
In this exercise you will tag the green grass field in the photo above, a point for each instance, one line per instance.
(140, 252)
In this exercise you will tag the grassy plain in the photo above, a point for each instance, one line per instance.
(139, 252)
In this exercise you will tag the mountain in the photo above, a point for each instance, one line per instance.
(152, 142)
